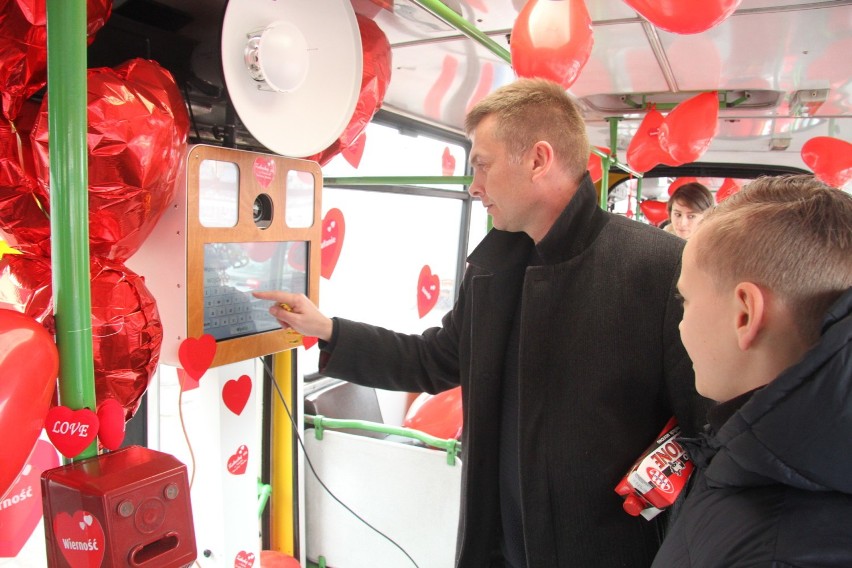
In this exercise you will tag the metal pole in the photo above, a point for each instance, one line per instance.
(440, 10)
(69, 207)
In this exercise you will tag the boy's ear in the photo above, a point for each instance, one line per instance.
(751, 313)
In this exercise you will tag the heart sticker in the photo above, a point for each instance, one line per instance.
(71, 431)
(448, 162)
(244, 559)
(428, 289)
(80, 538)
(235, 394)
(264, 171)
(21, 510)
(111, 424)
(196, 355)
(333, 230)
(237, 463)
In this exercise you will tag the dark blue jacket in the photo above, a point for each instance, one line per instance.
(774, 483)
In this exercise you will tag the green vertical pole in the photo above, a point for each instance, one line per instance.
(69, 210)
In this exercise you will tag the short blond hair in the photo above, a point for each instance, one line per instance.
(531, 110)
(790, 234)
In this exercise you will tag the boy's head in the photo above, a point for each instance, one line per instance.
(758, 277)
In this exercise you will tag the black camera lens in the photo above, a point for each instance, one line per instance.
(262, 211)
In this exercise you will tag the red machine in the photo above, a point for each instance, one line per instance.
(126, 508)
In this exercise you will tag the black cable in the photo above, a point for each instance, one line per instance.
(311, 466)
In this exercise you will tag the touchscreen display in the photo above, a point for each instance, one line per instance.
(233, 270)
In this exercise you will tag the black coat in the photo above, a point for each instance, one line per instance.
(601, 370)
(774, 484)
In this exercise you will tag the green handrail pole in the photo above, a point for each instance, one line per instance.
(441, 11)
(69, 211)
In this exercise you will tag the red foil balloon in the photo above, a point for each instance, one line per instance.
(439, 415)
(684, 16)
(23, 47)
(655, 211)
(29, 363)
(21, 214)
(552, 39)
(25, 286)
(137, 130)
(830, 159)
(127, 334)
(689, 128)
(375, 78)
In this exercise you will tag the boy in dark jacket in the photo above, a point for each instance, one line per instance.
(766, 283)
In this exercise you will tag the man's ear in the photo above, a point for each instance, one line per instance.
(750, 303)
(542, 158)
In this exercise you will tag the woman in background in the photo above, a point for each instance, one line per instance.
(687, 207)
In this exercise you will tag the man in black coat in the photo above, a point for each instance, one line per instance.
(564, 341)
(767, 288)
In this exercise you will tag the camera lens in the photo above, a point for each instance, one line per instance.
(262, 211)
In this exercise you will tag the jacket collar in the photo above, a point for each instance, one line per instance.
(574, 231)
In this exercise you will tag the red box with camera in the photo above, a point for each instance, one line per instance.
(130, 507)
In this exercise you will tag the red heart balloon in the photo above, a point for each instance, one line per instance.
(21, 509)
(428, 290)
(684, 16)
(689, 128)
(333, 232)
(29, 363)
(137, 131)
(438, 415)
(552, 40)
(595, 165)
(727, 189)
(679, 182)
(71, 431)
(196, 355)
(830, 159)
(235, 394)
(644, 151)
(111, 424)
(655, 211)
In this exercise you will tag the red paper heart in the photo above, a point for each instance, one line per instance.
(354, 151)
(80, 538)
(309, 342)
(111, 424)
(237, 463)
(235, 394)
(428, 290)
(20, 515)
(333, 231)
(196, 355)
(244, 559)
(264, 171)
(71, 431)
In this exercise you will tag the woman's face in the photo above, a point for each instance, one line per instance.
(685, 219)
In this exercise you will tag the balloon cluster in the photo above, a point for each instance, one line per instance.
(137, 132)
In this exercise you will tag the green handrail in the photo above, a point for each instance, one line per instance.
(69, 204)
(398, 180)
(319, 422)
(441, 11)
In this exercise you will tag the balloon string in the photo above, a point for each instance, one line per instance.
(112, 322)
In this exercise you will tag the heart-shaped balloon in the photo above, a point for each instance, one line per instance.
(684, 16)
(428, 290)
(679, 182)
(595, 165)
(137, 131)
(689, 128)
(552, 40)
(111, 424)
(644, 151)
(727, 189)
(655, 211)
(438, 415)
(830, 159)
(71, 431)
(29, 363)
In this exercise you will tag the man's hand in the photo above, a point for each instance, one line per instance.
(298, 312)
